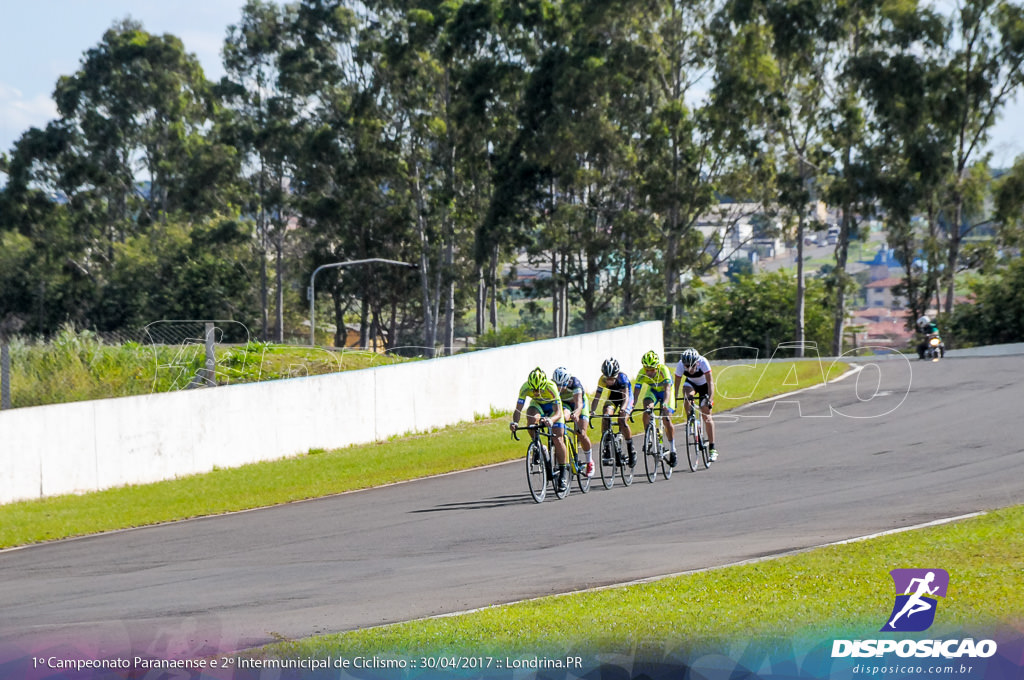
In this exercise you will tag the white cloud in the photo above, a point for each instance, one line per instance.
(18, 113)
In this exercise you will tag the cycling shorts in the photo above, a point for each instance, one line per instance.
(702, 392)
(548, 410)
(621, 399)
(659, 400)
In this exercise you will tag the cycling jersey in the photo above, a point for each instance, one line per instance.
(568, 395)
(660, 385)
(694, 376)
(617, 390)
(661, 378)
(546, 395)
(544, 400)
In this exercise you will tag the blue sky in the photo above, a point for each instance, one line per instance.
(41, 40)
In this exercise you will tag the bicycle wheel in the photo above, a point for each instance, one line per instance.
(606, 453)
(536, 472)
(576, 466)
(705, 452)
(626, 471)
(554, 480)
(692, 445)
(666, 469)
(651, 451)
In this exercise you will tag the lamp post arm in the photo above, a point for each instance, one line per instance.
(335, 265)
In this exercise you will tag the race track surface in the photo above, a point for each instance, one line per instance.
(898, 444)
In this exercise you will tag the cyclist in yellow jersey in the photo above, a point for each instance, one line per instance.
(656, 376)
(615, 395)
(545, 408)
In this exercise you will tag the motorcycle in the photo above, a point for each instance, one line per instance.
(933, 347)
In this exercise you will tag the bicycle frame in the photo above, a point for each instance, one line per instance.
(613, 448)
(538, 487)
(654, 438)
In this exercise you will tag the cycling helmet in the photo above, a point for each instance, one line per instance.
(689, 357)
(561, 377)
(650, 359)
(537, 379)
(610, 368)
(923, 321)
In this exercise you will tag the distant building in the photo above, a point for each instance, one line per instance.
(881, 328)
(879, 294)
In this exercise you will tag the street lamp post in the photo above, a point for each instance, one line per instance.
(334, 265)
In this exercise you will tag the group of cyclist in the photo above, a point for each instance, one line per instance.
(562, 399)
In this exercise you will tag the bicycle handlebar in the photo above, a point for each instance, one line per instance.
(536, 426)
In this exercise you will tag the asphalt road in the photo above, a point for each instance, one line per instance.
(898, 444)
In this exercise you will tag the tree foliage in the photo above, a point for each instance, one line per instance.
(588, 140)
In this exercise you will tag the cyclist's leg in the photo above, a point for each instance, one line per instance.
(670, 431)
(583, 441)
(648, 403)
(625, 406)
(558, 442)
(533, 415)
(687, 397)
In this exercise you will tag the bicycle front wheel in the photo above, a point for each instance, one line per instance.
(666, 469)
(626, 470)
(651, 451)
(705, 452)
(607, 462)
(692, 446)
(578, 467)
(536, 472)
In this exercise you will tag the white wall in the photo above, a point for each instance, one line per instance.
(87, 446)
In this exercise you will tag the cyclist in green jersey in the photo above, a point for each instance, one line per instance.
(545, 408)
(657, 378)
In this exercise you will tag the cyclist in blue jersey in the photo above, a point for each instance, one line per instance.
(615, 394)
(661, 397)
(574, 406)
(545, 408)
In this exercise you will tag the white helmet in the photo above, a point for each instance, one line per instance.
(561, 377)
(923, 321)
(690, 357)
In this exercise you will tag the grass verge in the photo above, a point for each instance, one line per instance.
(835, 591)
(78, 366)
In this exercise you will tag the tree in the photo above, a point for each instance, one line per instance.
(984, 70)
(262, 126)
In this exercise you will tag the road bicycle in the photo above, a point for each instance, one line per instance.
(612, 454)
(540, 468)
(654, 447)
(696, 444)
(576, 466)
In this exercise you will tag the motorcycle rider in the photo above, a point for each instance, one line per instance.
(926, 328)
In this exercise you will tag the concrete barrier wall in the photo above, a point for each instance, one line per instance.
(88, 446)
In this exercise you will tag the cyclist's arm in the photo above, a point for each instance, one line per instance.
(518, 412)
(577, 405)
(711, 386)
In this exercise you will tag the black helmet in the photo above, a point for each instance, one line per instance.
(610, 368)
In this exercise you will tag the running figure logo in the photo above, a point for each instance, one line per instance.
(916, 591)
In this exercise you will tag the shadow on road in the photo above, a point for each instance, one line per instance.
(483, 503)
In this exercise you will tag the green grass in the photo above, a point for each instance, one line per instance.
(817, 594)
(78, 366)
(318, 473)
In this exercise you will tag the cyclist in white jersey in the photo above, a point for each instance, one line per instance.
(694, 372)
